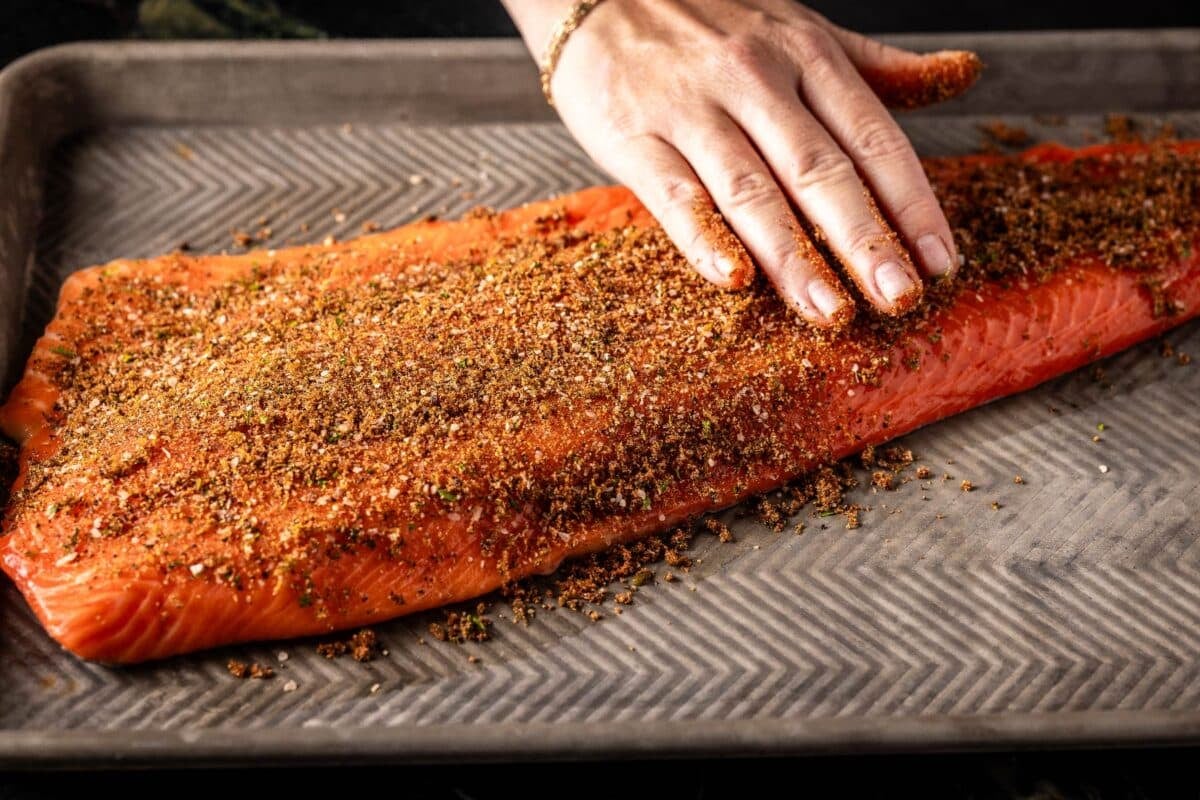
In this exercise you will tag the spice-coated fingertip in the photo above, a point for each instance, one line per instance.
(894, 282)
(724, 273)
(737, 270)
(935, 256)
(827, 305)
(933, 78)
(907, 301)
(729, 256)
(825, 298)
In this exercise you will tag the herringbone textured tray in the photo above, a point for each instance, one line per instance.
(1081, 593)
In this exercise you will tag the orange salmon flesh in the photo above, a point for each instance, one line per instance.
(216, 449)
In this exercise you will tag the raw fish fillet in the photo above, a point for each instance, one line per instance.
(217, 449)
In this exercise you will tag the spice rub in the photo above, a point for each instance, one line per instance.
(278, 443)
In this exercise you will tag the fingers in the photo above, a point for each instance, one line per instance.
(864, 130)
(670, 190)
(902, 79)
(822, 182)
(749, 197)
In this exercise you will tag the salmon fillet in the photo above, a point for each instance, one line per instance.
(217, 449)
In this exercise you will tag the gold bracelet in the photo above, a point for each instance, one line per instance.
(558, 37)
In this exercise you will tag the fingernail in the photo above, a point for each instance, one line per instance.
(825, 298)
(893, 281)
(714, 270)
(935, 255)
(724, 266)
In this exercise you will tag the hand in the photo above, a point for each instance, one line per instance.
(758, 109)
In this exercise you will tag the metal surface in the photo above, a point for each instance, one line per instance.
(1070, 615)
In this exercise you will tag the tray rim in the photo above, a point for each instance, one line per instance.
(57, 748)
(450, 47)
(462, 743)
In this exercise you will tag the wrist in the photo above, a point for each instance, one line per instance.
(536, 20)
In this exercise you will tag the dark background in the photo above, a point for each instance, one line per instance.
(27, 25)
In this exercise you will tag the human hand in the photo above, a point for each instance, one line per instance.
(722, 114)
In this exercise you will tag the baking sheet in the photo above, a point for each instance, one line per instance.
(1070, 615)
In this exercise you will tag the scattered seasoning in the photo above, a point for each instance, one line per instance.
(290, 686)
(1121, 128)
(896, 458)
(771, 514)
(1017, 479)
(641, 577)
(867, 456)
(996, 505)
(720, 529)
(460, 626)
(1184, 359)
(852, 518)
(242, 239)
(966, 486)
(241, 670)
(1104, 468)
(924, 473)
(587, 582)
(1000, 134)
(363, 646)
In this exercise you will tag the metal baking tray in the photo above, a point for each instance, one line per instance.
(1069, 616)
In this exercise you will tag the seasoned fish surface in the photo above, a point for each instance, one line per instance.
(226, 448)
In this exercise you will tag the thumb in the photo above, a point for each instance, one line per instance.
(903, 79)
